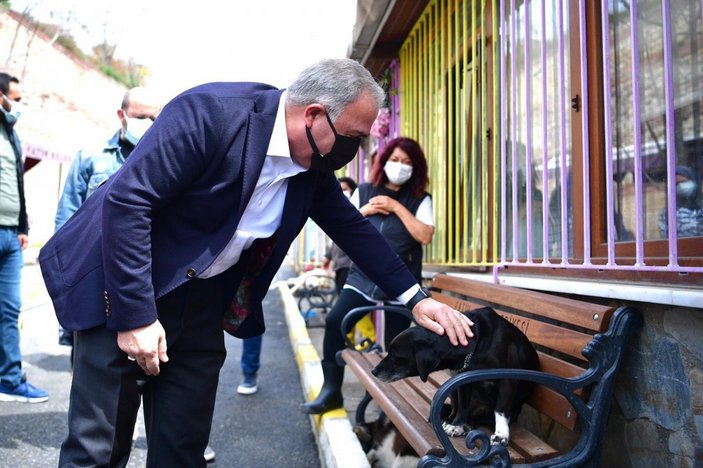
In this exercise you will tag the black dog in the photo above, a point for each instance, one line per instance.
(497, 344)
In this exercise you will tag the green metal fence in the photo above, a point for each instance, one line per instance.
(446, 104)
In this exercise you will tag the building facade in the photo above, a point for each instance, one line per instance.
(564, 138)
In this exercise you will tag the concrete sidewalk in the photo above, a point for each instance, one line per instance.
(339, 446)
(242, 432)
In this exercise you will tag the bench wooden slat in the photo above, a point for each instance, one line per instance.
(425, 389)
(552, 365)
(552, 404)
(532, 447)
(592, 316)
(416, 431)
(569, 342)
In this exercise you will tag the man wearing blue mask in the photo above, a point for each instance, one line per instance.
(190, 233)
(91, 167)
(13, 240)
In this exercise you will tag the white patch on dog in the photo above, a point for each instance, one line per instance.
(501, 436)
(454, 431)
(383, 456)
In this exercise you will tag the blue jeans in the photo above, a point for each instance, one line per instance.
(11, 262)
(251, 352)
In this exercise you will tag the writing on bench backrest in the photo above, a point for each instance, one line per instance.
(522, 324)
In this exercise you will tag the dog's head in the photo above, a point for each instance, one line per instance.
(418, 352)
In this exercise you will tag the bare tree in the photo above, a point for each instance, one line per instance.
(23, 17)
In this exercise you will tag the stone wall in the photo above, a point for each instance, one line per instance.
(68, 105)
(656, 415)
(657, 418)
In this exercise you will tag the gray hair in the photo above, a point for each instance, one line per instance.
(334, 83)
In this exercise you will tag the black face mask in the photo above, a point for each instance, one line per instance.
(343, 150)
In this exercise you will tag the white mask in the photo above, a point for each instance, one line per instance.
(15, 111)
(397, 172)
(686, 189)
(136, 128)
(347, 193)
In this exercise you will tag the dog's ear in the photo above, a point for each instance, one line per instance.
(426, 363)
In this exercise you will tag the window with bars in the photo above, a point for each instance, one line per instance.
(556, 145)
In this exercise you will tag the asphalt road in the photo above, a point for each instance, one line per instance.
(261, 430)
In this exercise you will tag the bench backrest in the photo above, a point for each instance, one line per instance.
(558, 327)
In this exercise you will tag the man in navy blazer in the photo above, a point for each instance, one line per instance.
(185, 239)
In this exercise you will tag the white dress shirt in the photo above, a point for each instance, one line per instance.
(262, 215)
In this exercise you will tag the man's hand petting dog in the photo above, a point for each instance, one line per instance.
(441, 319)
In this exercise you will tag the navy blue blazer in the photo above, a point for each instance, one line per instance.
(174, 205)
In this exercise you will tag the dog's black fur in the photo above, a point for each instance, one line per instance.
(499, 344)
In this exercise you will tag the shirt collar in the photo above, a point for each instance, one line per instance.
(278, 146)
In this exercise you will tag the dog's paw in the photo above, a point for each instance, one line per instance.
(454, 431)
(497, 439)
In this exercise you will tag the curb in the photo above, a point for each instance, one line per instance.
(336, 441)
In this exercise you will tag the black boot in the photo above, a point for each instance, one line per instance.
(330, 396)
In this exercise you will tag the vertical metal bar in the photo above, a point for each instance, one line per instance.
(441, 130)
(409, 97)
(562, 135)
(484, 137)
(460, 97)
(475, 137)
(452, 137)
(636, 124)
(394, 126)
(585, 136)
(670, 135)
(439, 95)
(466, 223)
(409, 104)
(405, 84)
(497, 130)
(513, 121)
(545, 147)
(503, 140)
(528, 130)
(608, 135)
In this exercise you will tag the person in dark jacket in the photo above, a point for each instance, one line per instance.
(334, 256)
(13, 240)
(396, 203)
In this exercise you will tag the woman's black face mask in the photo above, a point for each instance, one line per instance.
(343, 151)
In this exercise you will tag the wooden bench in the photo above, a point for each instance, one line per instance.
(580, 345)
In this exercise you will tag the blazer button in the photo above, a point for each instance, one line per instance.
(108, 309)
(190, 273)
(105, 295)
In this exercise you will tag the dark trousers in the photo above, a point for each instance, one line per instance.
(349, 299)
(340, 279)
(178, 403)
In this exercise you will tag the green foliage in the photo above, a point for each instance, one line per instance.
(130, 80)
(385, 82)
(69, 43)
